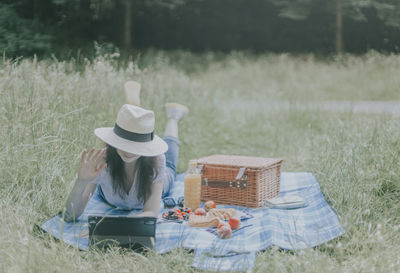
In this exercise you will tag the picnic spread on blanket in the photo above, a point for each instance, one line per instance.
(227, 235)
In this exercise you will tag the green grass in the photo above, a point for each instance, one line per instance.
(49, 109)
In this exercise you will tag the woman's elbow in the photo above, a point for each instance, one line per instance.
(67, 217)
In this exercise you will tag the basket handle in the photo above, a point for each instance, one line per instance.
(241, 174)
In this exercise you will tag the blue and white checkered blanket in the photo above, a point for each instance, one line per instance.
(290, 229)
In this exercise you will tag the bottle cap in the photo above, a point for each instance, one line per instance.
(192, 163)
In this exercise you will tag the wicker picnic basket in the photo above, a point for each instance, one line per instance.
(239, 180)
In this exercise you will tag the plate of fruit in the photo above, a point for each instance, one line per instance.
(177, 214)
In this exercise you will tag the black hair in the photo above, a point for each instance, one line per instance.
(146, 171)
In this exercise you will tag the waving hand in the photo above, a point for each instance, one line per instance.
(92, 163)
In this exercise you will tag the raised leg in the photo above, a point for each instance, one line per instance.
(175, 112)
(132, 92)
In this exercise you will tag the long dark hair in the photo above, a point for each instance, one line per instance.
(146, 171)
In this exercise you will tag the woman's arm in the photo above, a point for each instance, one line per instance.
(78, 199)
(152, 205)
(91, 165)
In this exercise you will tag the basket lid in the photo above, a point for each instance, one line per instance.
(239, 161)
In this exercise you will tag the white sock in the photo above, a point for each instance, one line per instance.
(176, 110)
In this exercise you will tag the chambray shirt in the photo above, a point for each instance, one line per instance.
(130, 200)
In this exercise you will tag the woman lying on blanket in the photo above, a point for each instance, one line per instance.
(136, 167)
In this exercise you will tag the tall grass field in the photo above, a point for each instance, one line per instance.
(49, 109)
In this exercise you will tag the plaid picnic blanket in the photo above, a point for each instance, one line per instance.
(289, 229)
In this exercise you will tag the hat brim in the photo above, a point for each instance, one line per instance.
(152, 148)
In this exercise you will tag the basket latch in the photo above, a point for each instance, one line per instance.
(241, 180)
(238, 184)
(241, 174)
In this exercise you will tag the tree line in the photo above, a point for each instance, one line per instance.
(319, 26)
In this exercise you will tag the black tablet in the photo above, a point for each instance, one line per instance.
(137, 233)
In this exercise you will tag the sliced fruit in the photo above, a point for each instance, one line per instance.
(209, 205)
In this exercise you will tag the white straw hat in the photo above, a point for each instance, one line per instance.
(133, 132)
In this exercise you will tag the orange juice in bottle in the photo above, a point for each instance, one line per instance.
(192, 186)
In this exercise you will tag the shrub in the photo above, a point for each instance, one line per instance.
(20, 36)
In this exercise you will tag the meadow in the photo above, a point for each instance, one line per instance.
(49, 109)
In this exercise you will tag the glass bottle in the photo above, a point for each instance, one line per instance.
(192, 186)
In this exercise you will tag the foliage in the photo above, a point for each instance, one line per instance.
(19, 36)
(296, 10)
(387, 10)
(202, 25)
(387, 13)
(104, 49)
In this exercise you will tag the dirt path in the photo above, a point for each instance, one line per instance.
(372, 107)
(365, 107)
